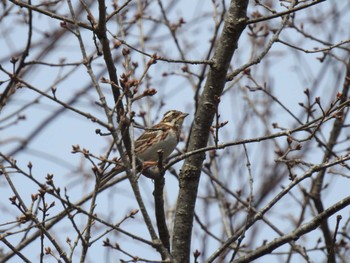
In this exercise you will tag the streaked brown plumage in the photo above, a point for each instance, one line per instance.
(163, 136)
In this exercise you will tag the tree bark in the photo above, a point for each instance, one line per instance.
(235, 23)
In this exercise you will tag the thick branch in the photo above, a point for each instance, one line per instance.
(190, 173)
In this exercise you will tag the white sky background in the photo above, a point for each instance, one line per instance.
(50, 151)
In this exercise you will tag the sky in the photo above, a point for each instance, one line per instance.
(50, 150)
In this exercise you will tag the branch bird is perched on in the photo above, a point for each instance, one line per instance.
(163, 136)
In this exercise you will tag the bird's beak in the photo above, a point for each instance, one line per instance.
(184, 115)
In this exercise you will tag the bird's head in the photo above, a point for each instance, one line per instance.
(174, 118)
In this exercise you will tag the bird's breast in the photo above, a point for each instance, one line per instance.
(167, 143)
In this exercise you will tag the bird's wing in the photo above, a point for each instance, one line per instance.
(147, 137)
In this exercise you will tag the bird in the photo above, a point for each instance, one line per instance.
(164, 136)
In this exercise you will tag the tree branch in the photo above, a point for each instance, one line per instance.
(317, 185)
(190, 173)
(296, 234)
